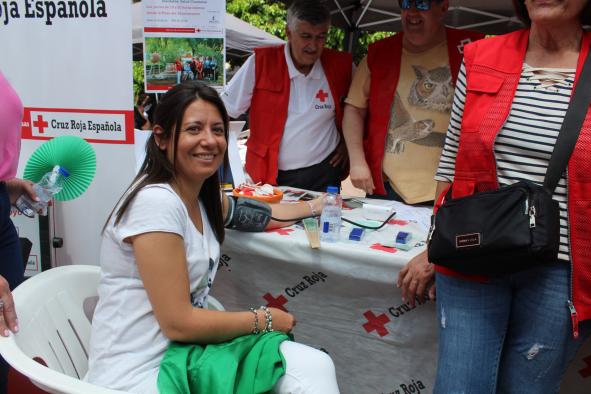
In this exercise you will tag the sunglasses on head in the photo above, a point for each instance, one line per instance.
(421, 5)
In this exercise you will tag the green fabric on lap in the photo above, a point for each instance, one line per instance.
(245, 365)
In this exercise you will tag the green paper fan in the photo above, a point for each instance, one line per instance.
(71, 152)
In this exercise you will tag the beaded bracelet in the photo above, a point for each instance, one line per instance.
(314, 212)
(268, 319)
(255, 329)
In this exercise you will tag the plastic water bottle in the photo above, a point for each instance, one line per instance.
(50, 184)
(330, 220)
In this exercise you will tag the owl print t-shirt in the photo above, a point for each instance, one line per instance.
(418, 121)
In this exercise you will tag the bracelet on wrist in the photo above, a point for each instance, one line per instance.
(314, 211)
(268, 319)
(255, 328)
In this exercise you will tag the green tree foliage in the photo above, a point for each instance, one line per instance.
(263, 14)
(270, 17)
(138, 79)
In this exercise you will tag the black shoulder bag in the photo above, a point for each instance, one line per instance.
(514, 227)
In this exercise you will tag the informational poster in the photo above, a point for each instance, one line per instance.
(183, 40)
(71, 64)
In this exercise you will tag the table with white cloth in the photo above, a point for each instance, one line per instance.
(346, 303)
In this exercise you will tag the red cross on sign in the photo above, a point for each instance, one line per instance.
(586, 372)
(278, 302)
(376, 323)
(40, 124)
(321, 95)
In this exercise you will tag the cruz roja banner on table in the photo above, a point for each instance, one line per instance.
(71, 64)
(183, 40)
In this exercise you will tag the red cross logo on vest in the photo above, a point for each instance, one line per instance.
(376, 323)
(278, 302)
(321, 95)
(40, 124)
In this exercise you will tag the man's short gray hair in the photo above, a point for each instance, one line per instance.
(312, 11)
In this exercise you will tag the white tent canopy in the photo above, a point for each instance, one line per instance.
(241, 37)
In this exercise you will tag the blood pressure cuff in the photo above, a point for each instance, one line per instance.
(246, 214)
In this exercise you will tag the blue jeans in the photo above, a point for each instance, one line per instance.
(509, 335)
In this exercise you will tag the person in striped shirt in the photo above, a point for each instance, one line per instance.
(515, 333)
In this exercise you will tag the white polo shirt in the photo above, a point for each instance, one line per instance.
(310, 133)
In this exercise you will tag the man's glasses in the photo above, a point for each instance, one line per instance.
(421, 5)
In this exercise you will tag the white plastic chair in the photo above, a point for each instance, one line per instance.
(54, 327)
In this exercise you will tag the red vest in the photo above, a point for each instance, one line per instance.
(383, 60)
(270, 100)
(493, 71)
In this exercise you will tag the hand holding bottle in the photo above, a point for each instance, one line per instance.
(50, 184)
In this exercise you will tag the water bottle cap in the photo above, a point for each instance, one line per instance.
(332, 189)
(63, 171)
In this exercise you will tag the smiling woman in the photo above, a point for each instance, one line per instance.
(159, 257)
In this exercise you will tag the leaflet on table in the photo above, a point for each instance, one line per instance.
(418, 215)
(183, 40)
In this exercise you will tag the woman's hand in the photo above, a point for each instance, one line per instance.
(415, 278)
(8, 318)
(16, 187)
(316, 206)
(282, 321)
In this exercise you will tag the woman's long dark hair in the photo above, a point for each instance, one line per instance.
(156, 167)
(523, 15)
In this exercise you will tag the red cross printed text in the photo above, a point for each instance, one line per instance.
(278, 302)
(376, 323)
(378, 246)
(281, 231)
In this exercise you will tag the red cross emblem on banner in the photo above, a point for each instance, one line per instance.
(321, 95)
(278, 302)
(586, 372)
(40, 124)
(376, 323)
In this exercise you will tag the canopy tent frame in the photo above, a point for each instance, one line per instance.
(354, 16)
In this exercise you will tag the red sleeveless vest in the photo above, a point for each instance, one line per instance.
(270, 101)
(383, 60)
(493, 69)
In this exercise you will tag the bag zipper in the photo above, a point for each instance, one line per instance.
(431, 229)
(571, 306)
(532, 216)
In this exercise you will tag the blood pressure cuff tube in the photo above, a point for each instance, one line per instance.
(246, 214)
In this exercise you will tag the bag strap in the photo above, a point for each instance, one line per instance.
(571, 127)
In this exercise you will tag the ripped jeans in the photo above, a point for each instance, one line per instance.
(510, 335)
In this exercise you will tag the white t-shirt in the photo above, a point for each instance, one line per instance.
(126, 344)
(310, 133)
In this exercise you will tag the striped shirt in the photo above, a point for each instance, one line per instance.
(523, 146)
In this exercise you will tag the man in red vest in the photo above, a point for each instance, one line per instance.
(399, 104)
(294, 93)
